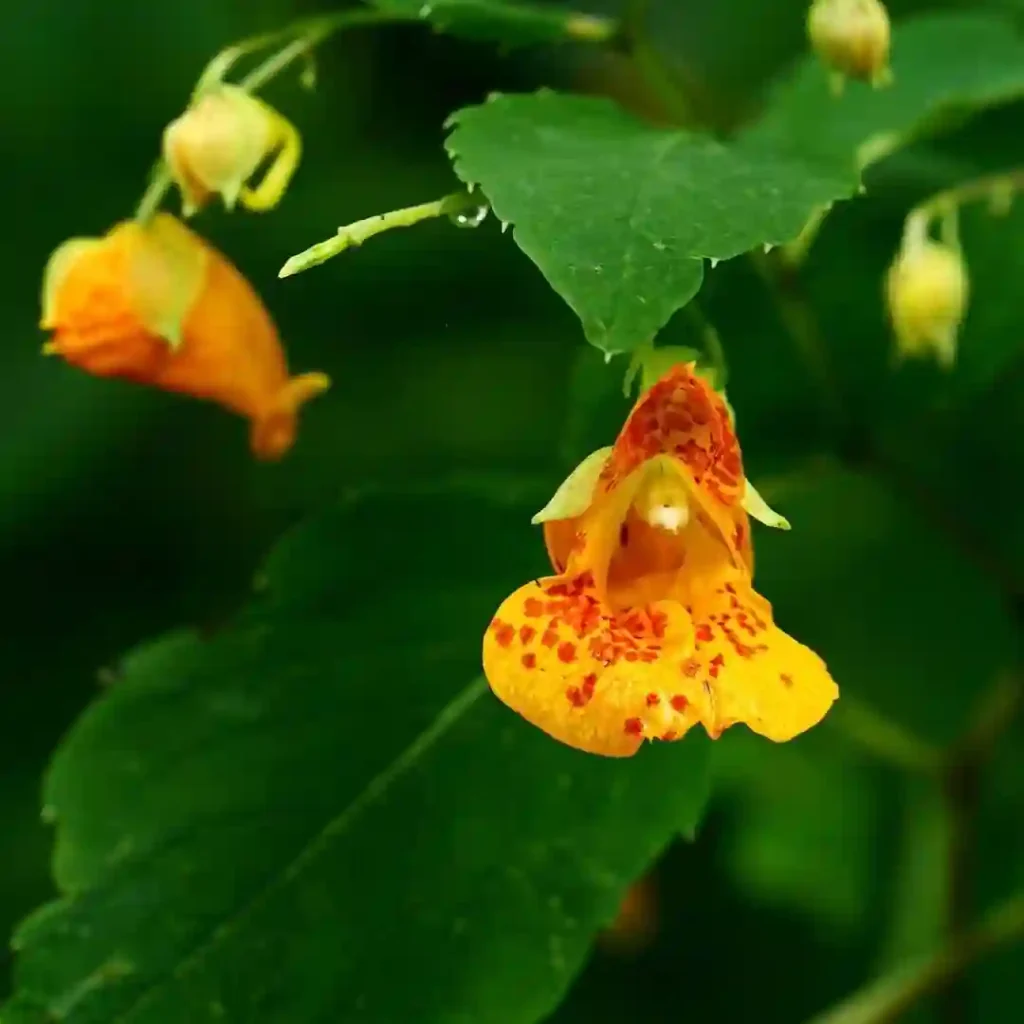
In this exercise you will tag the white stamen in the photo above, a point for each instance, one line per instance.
(669, 517)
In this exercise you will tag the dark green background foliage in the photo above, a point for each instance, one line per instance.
(288, 795)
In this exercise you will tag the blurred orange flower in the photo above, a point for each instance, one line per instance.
(651, 624)
(155, 304)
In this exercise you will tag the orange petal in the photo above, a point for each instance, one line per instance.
(273, 432)
(597, 681)
(681, 416)
(561, 537)
(754, 672)
(155, 304)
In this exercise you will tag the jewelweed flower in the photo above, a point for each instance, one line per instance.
(219, 143)
(651, 624)
(155, 304)
(927, 291)
(852, 37)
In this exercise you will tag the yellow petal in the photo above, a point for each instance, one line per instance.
(267, 194)
(598, 682)
(753, 671)
(56, 272)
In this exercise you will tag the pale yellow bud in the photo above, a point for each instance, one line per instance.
(852, 38)
(219, 144)
(927, 292)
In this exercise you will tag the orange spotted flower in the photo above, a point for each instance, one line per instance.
(155, 304)
(651, 624)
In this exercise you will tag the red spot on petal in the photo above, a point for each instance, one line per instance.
(679, 702)
(670, 735)
(704, 634)
(550, 638)
(567, 653)
(526, 634)
(653, 700)
(691, 667)
(533, 607)
(632, 656)
(589, 682)
(504, 633)
(787, 679)
(716, 664)
(574, 695)
(633, 727)
(529, 660)
(648, 655)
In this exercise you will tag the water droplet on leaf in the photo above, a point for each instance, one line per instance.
(471, 218)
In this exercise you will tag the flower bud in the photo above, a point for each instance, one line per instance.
(219, 143)
(852, 38)
(927, 292)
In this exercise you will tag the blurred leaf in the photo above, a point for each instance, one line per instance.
(794, 841)
(945, 66)
(509, 23)
(993, 335)
(904, 621)
(321, 813)
(619, 215)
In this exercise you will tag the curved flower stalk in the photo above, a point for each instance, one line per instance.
(650, 624)
(156, 305)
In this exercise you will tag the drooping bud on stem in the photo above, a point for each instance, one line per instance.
(219, 143)
(852, 39)
(927, 290)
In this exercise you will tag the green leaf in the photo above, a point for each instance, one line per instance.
(619, 215)
(509, 23)
(321, 813)
(905, 622)
(792, 843)
(945, 67)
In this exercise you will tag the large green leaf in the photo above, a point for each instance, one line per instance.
(945, 66)
(321, 813)
(619, 215)
(509, 23)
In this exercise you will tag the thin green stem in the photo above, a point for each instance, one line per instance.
(883, 739)
(711, 342)
(355, 234)
(783, 283)
(663, 84)
(962, 776)
(304, 36)
(159, 182)
(316, 31)
(887, 999)
(994, 187)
